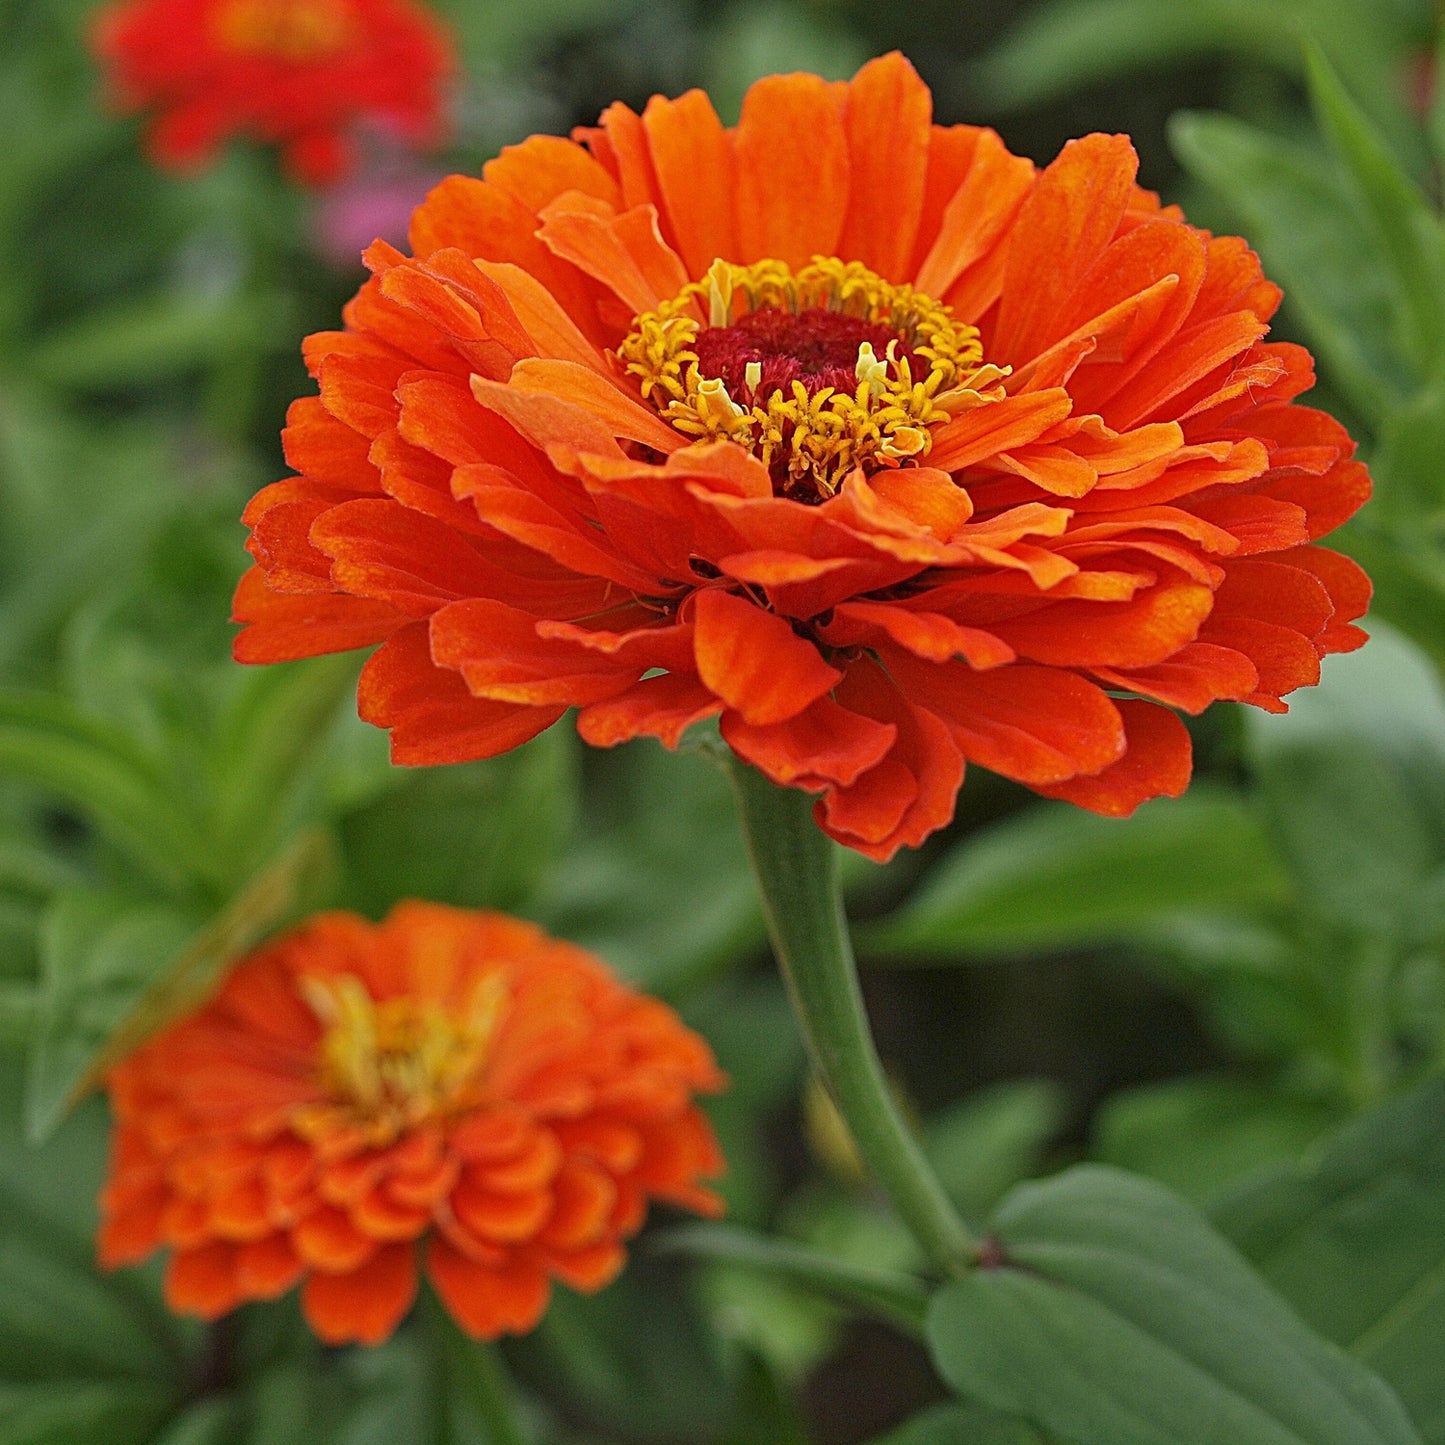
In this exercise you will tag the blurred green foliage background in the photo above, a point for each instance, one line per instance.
(1240, 993)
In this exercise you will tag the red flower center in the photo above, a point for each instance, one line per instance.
(817, 347)
(295, 31)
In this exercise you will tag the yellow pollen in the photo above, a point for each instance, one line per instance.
(390, 1065)
(295, 31)
(810, 441)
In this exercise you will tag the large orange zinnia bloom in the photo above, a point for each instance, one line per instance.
(296, 73)
(860, 433)
(445, 1079)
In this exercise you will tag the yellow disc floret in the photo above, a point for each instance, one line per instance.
(756, 355)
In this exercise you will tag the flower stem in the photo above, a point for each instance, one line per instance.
(797, 874)
(472, 1373)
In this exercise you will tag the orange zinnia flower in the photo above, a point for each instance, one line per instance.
(357, 1088)
(858, 432)
(293, 72)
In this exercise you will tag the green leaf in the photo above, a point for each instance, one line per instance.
(959, 1425)
(477, 835)
(1121, 1318)
(211, 1421)
(1409, 587)
(1409, 234)
(115, 970)
(57, 1317)
(99, 950)
(896, 1297)
(133, 341)
(1409, 497)
(1201, 1135)
(1302, 219)
(1057, 877)
(274, 726)
(1354, 1238)
(992, 1138)
(1355, 778)
(96, 768)
(636, 1357)
(656, 879)
(71, 1411)
(1347, 823)
(1064, 45)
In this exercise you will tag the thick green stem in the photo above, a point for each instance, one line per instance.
(472, 1374)
(797, 874)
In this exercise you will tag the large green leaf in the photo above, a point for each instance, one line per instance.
(1354, 1238)
(1058, 877)
(1121, 1318)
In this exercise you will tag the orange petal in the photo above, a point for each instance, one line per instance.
(487, 1302)
(432, 716)
(1061, 229)
(927, 496)
(1275, 592)
(414, 563)
(552, 331)
(583, 1199)
(792, 171)
(325, 450)
(1156, 763)
(282, 628)
(625, 253)
(1191, 679)
(327, 1239)
(997, 426)
(589, 390)
(692, 156)
(545, 166)
(498, 1217)
(362, 1305)
(928, 635)
(887, 123)
(663, 707)
(501, 655)
(754, 661)
(1146, 630)
(977, 212)
(824, 741)
(203, 1281)
(1033, 724)
(1283, 658)
(267, 1268)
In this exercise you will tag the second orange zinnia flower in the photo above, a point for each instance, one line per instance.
(447, 1090)
(875, 442)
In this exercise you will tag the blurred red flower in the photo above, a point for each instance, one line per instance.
(296, 73)
(356, 1091)
(860, 433)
